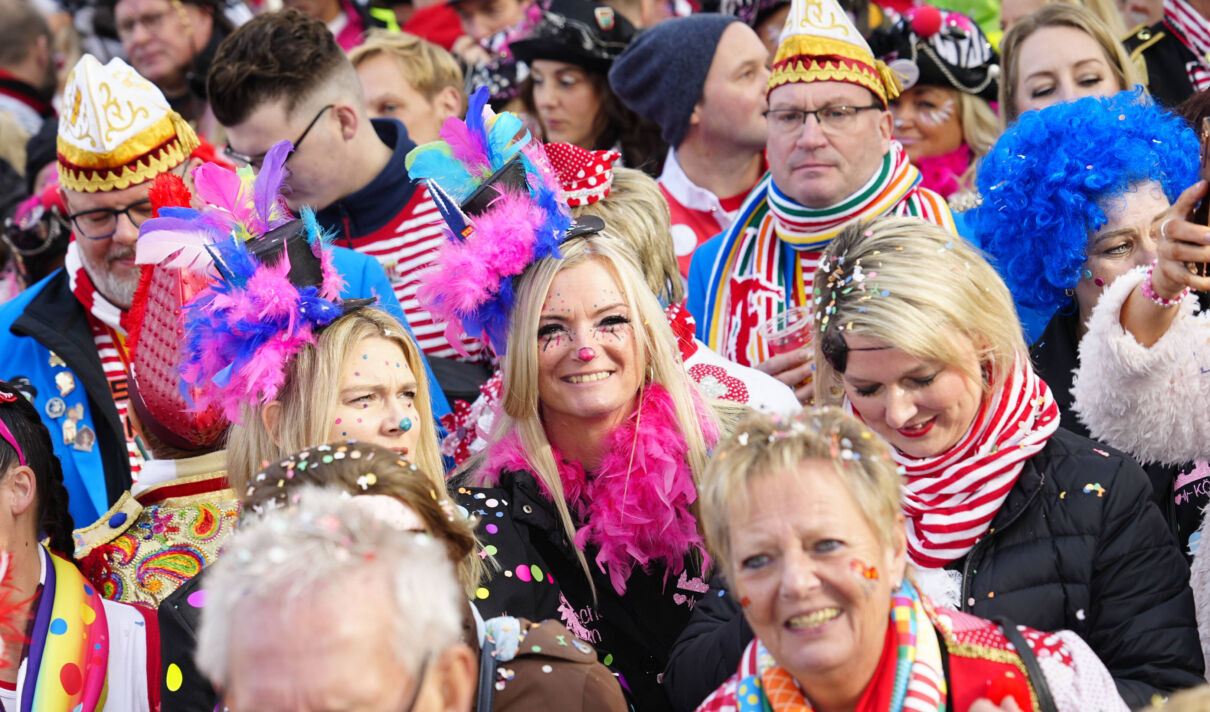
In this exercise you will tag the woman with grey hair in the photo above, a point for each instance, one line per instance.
(803, 515)
(383, 606)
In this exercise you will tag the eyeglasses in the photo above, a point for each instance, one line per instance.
(153, 21)
(102, 223)
(257, 160)
(832, 119)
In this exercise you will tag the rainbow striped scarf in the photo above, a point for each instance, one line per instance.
(764, 686)
(768, 257)
(68, 651)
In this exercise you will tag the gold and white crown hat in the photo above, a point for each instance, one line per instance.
(116, 129)
(819, 43)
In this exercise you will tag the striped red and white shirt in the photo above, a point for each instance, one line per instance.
(1193, 30)
(405, 247)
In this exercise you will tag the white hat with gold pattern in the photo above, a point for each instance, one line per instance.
(116, 129)
(820, 43)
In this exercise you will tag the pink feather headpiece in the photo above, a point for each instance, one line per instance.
(272, 288)
(504, 210)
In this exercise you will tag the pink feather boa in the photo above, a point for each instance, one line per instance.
(943, 174)
(639, 517)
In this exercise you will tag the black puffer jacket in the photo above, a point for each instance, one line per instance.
(1055, 357)
(1101, 563)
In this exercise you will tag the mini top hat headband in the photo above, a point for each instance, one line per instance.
(819, 43)
(939, 48)
(504, 210)
(586, 176)
(276, 286)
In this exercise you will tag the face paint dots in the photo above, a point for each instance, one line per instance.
(745, 602)
(405, 424)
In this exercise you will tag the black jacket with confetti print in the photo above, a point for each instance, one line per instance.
(539, 577)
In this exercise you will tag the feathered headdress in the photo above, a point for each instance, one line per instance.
(155, 343)
(503, 209)
(275, 289)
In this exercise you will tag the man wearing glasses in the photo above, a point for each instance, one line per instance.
(831, 161)
(283, 77)
(64, 338)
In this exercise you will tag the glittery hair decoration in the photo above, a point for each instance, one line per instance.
(276, 286)
(806, 423)
(504, 209)
(839, 283)
(586, 175)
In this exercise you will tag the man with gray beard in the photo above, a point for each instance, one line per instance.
(62, 340)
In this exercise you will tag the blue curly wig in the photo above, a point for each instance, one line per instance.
(1045, 181)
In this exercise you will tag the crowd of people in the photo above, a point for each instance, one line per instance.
(769, 355)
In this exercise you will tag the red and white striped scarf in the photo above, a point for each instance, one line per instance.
(104, 318)
(950, 499)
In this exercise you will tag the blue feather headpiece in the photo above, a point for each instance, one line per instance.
(504, 210)
(276, 286)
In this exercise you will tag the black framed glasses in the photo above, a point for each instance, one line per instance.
(257, 160)
(832, 119)
(102, 223)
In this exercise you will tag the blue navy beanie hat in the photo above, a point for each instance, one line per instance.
(661, 74)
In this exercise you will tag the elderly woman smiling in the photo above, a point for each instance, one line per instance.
(804, 518)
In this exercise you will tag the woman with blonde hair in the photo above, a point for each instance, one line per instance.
(1007, 514)
(586, 491)
(942, 116)
(1060, 53)
(630, 202)
(333, 391)
(803, 515)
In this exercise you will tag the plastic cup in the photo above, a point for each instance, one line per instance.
(787, 331)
